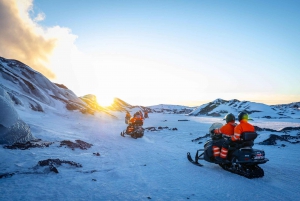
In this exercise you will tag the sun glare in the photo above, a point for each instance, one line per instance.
(105, 101)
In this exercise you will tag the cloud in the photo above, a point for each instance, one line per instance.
(22, 38)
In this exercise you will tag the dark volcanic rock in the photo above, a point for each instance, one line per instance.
(29, 144)
(160, 128)
(78, 144)
(57, 162)
(287, 138)
(5, 175)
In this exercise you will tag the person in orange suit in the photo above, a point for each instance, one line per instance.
(146, 114)
(136, 119)
(227, 131)
(244, 126)
(127, 117)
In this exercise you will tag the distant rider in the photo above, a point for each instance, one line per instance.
(127, 117)
(146, 114)
(141, 113)
(136, 119)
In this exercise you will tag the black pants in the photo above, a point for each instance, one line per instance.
(219, 143)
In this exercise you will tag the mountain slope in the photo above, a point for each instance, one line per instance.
(171, 109)
(30, 89)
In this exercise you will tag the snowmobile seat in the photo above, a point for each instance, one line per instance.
(247, 140)
(239, 145)
(248, 136)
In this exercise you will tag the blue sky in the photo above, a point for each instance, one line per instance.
(179, 52)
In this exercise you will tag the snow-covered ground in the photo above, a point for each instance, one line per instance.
(154, 167)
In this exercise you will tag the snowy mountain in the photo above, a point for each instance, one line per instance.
(220, 107)
(30, 89)
(171, 109)
(120, 105)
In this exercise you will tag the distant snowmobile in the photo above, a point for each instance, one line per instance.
(135, 131)
(243, 160)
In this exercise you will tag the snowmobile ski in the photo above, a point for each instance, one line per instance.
(192, 161)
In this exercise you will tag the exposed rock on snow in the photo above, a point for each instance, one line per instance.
(6, 175)
(286, 138)
(57, 162)
(48, 165)
(52, 164)
(29, 144)
(289, 134)
(160, 128)
(77, 144)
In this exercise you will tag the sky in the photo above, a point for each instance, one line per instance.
(159, 52)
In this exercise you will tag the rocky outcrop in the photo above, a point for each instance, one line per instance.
(12, 128)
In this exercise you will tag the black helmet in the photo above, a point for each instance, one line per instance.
(243, 115)
(229, 117)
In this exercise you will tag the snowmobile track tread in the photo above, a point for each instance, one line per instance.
(249, 172)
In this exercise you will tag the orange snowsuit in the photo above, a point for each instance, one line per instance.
(244, 126)
(128, 115)
(132, 120)
(136, 118)
(228, 131)
(130, 129)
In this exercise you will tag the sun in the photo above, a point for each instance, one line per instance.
(104, 100)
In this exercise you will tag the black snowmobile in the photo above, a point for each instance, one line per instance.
(242, 158)
(135, 131)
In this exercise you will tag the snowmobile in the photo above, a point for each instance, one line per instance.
(242, 159)
(135, 131)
